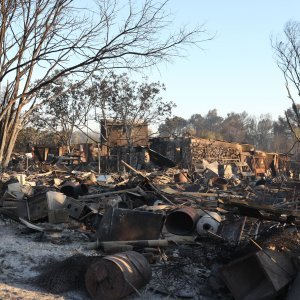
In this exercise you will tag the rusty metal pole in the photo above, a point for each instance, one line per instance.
(99, 165)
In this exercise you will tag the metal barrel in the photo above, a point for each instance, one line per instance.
(182, 221)
(117, 276)
(74, 190)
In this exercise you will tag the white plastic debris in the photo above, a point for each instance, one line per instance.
(55, 200)
(105, 178)
(209, 222)
(21, 178)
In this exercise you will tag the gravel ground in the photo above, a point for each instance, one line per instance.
(22, 254)
(25, 254)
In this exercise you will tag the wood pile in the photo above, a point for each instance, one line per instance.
(212, 152)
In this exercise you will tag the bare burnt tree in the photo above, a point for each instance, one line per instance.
(69, 108)
(40, 36)
(287, 51)
(128, 103)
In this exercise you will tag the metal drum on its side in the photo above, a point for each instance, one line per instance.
(182, 221)
(117, 276)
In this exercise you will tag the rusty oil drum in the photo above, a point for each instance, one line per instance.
(117, 276)
(182, 221)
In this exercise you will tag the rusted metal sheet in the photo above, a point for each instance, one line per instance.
(124, 225)
(258, 276)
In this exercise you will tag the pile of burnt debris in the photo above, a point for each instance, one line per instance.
(168, 232)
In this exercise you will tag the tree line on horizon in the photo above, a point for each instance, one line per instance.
(263, 132)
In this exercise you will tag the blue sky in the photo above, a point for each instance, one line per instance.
(236, 71)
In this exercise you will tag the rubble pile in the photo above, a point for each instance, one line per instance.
(169, 232)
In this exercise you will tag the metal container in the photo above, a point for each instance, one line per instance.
(74, 190)
(182, 221)
(120, 224)
(117, 276)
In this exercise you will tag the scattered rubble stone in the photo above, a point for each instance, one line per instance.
(58, 220)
